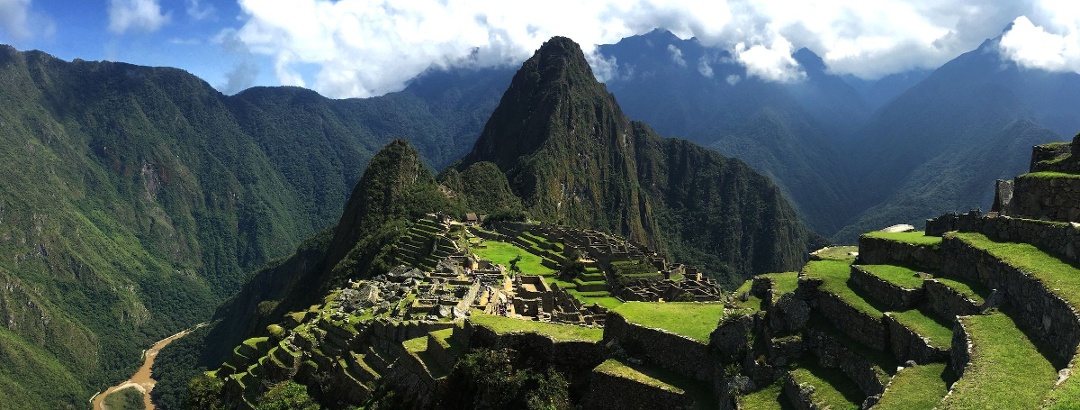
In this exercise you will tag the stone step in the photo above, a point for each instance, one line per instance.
(919, 336)
(895, 287)
(1043, 289)
(998, 364)
(911, 249)
(849, 309)
(917, 388)
(811, 386)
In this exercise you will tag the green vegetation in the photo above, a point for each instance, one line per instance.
(917, 388)
(558, 332)
(694, 320)
(287, 395)
(835, 276)
(504, 252)
(1060, 277)
(1049, 175)
(769, 398)
(837, 253)
(897, 275)
(494, 379)
(1064, 396)
(884, 363)
(784, 282)
(971, 290)
(914, 237)
(1006, 370)
(618, 369)
(938, 331)
(128, 398)
(833, 389)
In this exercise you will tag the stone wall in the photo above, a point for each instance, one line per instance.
(908, 345)
(1047, 152)
(801, 397)
(831, 353)
(1056, 199)
(893, 296)
(960, 352)
(618, 393)
(574, 358)
(675, 353)
(864, 328)
(877, 251)
(947, 301)
(1036, 308)
(1060, 239)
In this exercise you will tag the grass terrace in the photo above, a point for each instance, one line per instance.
(784, 282)
(1049, 175)
(884, 363)
(917, 388)
(603, 298)
(1062, 278)
(769, 398)
(914, 238)
(1064, 396)
(926, 325)
(836, 253)
(897, 275)
(503, 252)
(558, 332)
(752, 302)
(659, 379)
(971, 290)
(691, 319)
(1006, 370)
(835, 276)
(832, 389)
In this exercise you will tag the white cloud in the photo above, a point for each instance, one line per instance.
(370, 47)
(1051, 42)
(676, 55)
(771, 63)
(13, 18)
(140, 15)
(704, 68)
(733, 79)
(198, 11)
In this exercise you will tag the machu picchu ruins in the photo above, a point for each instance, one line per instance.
(975, 311)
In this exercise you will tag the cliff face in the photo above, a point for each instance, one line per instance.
(574, 158)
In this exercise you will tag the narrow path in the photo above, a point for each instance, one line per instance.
(142, 379)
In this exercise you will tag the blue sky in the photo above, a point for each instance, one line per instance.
(359, 48)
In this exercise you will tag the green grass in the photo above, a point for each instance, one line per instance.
(833, 390)
(884, 363)
(1060, 277)
(558, 332)
(1049, 175)
(835, 276)
(914, 238)
(604, 299)
(897, 275)
(1064, 396)
(970, 290)
(660, 379)
(769, 398)
(752, 302)
(503, 252)
(837, 253)
(694, 320)
(917, 388)
(1006, 370)
(925, 325)
(414, 345)
(784, 282)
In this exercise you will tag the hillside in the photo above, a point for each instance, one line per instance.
(574, 158)
(976, 312)
(135, 199)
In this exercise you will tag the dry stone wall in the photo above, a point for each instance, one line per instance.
(877, 251)
(908, 345)
(675, 353)
(947, 302)
(618, 393)
(1040, 311)
(892, 296)
(831, 353)
(854, 323)
(1056, 199)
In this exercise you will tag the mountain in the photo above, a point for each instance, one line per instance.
(134, 199)
(792, 132)
(929, 149)
(574, 158)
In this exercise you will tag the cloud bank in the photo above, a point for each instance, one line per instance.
(359, 48)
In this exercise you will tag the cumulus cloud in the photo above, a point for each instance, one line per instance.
(348, 48)
(704, 68)
(1051, 43)
(18, 21)
(139, 15)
